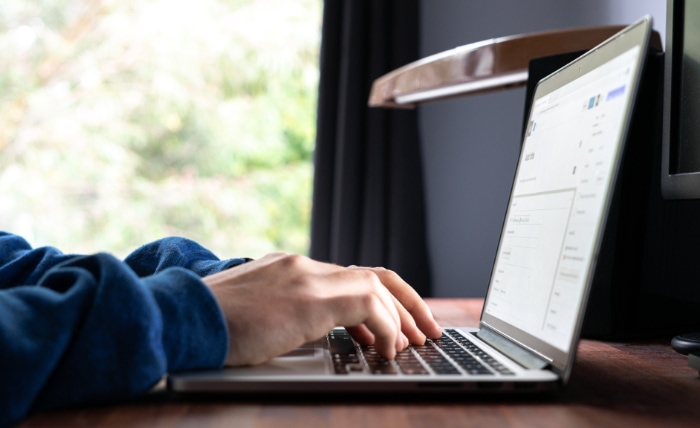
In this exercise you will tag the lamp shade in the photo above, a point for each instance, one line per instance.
(479, 67)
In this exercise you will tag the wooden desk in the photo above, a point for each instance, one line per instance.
(613, 384)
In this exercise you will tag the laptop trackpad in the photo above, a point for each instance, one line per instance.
(299, 352)
(308, 359)
(305, 350)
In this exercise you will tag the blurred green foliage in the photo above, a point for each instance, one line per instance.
(126, 121)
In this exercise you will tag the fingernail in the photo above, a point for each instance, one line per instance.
(399, 342)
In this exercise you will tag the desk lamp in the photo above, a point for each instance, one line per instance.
(485, 66)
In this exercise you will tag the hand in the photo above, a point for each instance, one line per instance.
(279, 302)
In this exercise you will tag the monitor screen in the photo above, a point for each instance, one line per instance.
(681, 130)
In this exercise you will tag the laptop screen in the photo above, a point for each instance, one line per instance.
(560, 195)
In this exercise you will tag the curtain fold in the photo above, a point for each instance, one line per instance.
(368, 202)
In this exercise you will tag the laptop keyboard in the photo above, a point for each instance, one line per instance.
(452, 354)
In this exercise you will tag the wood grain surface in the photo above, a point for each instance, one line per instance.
(638, 384)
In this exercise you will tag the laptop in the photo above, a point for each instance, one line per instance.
(533, 311)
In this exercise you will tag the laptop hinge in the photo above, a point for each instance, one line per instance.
(517, 353)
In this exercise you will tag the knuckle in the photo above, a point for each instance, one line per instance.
(367, 276)
(359, 306)
(299, 274)
(279, 253)
(291, 261)
(391, 275)
(274, 256)
(369, 301)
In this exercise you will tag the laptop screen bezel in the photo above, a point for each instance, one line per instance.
(637, 34)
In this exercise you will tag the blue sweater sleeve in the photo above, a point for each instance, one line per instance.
(84, 329)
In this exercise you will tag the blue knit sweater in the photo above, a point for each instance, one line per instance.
(86, 329)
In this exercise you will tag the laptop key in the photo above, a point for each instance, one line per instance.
(376, 363)
(343, 352)
(437, 362)
(466, 361)
(480, 353)
(409, 363)
(341, 343)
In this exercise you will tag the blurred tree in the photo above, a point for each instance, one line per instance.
(125, 121)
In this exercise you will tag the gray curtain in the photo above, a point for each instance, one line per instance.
(368, 201)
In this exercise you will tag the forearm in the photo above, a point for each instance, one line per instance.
(90, 329)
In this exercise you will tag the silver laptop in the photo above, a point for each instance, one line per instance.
(533, 311)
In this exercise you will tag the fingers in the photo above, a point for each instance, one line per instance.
(375, 304)
(414, 319)
(417, 320)
(365, 337)
(408, 325)
(365, 305)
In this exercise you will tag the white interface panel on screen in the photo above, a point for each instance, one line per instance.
(557, 202)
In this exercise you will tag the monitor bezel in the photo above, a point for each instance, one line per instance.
(674, 183)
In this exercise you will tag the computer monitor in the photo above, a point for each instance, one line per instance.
(647, 282)
(680, 165)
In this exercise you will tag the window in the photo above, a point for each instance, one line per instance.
(124, 121)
